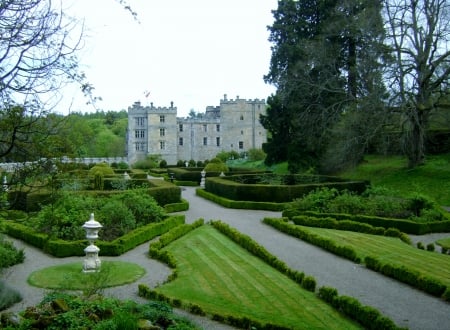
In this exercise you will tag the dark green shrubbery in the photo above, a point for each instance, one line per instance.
(9, 256)
(64, 311)
(374, 201)
(118, 214)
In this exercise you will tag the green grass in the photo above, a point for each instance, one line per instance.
(431, 179)
(390, 250)
(444, 242)
(70, 276)
(223, 278)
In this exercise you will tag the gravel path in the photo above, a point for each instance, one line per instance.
(406, 306)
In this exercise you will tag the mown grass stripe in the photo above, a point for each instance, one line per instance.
(391, 250)
(285, 303)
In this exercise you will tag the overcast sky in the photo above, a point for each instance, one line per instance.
(189, 52)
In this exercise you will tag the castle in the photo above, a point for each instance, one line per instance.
(232, 126)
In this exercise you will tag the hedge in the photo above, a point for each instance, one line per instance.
(227, 188)
(406, 226)
(349, 225)
(163, 192)
(267, 206)
(408, 276)
(326, 244)
(61, 248)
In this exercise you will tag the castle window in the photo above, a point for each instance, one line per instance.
(242, 117)
(139, 146)
(205, 141)
(241, 145)
(162, 119)
(140, 121)
(139, 134)
(218, 128)
(242, 132)
(181, 127)
(180, 141)
(162, 145)
(218, 141)
(162, 132)
(205, 128)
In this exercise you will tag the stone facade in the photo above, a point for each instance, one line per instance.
(232, 126)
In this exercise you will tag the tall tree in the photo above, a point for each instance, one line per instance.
(419, 33)
(323, 62)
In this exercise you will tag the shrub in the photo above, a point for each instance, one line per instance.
(328, 294)
(309, 283)
(420, 246)
(430, 247)
(163, 164)
(8, 296)
(103, 169)
(144, 207)
(256, 154)
(116, 218)
(216, 165)
(9, 255)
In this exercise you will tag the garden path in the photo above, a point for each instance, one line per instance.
(406, 306)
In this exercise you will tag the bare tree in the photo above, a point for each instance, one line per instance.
(419, 34)
(38, 45)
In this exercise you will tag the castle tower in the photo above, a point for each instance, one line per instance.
(152, 131)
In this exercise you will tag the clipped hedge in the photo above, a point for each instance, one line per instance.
(406, 226)
(25, 233)
(163, 192)
(307, 282)
(60, 248)
(408, 276)
(155, 249)
(267, 206)
(177, 207)
(326, 244)
(349, 225)
(227, 188)
(367, 316)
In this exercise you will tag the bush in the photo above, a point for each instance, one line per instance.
(163, 164)
(102, 169)
(9, 255)
(216, 165)
(116, 218)
(430, 247)
(8, 296)
(256, 154)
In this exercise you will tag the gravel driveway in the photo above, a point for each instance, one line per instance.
(405, 305)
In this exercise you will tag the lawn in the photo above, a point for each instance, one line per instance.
(223, 278)
(390, 250)
(70, 276)
(431, 179)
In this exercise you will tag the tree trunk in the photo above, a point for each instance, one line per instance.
(415, 144)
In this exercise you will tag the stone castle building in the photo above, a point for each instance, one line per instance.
(232, 126)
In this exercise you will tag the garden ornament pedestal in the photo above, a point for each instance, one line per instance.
(92, 262)
(202, 181)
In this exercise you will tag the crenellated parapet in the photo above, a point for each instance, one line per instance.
(138, 108)
(225, 100)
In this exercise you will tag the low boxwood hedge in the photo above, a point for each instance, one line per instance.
(61, 248)
(406, 226)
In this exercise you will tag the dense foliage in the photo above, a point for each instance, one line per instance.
(374, 201)
(64, 311)
(350, 73)
(118, 214)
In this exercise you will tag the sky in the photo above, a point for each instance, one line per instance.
(190, 53)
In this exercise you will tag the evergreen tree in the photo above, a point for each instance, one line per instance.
(323, 61)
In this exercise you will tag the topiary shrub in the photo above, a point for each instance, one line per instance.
(163, 164)
(101, 168)
(216, 165)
